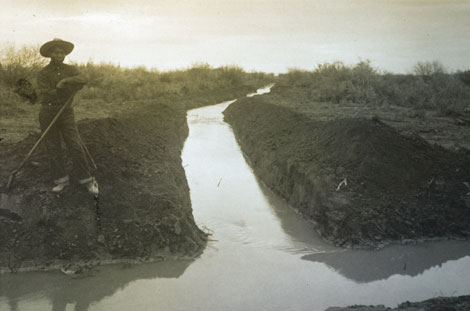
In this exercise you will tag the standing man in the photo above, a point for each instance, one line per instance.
(56, 83)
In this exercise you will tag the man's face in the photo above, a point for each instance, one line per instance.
(57, 55)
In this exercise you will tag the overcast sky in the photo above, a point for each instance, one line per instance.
(262, 35)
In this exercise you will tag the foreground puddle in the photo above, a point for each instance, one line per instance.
(262, 256)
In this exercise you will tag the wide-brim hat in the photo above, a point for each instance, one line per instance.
(48, 47)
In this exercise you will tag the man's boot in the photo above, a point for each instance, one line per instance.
(61, 183)
(91, 185)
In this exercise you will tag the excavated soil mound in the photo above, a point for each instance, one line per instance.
(358, 179)
(143, 210)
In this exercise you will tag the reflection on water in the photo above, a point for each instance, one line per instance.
(301, 234)
(262, 91)
(263, 256)
(54, 290)
(367, 266)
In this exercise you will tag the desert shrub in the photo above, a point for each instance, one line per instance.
(115, 84)
(464, 76)
(437, 91)
(337, 82)
(16, 63)
(451, 96)
(428, 68)
(298, 77)
(429, 87)
(10, 102)
(232, 75)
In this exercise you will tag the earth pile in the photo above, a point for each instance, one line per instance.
(143, 211)
(360, 181)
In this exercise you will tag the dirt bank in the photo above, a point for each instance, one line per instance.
(461, 303)
(359, 180)
(144, 206)
(452, 131)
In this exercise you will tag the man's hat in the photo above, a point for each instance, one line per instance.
(48, 47)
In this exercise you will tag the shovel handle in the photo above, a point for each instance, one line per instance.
(88, 153)
(13, 174)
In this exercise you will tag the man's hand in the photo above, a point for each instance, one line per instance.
(62, 83)
(25, 89)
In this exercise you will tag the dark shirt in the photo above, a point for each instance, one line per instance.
(47, 80)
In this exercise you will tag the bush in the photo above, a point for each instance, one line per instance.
(15, 64)
(10, 103)
(428, 68)
(464, 76)
(19, 63)
(115, 84)
(110, 83)
(430, 87)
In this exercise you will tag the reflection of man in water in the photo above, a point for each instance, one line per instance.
(78, 294)
(57, 83)
(87, 291)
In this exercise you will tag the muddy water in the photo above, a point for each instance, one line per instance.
(262, 255)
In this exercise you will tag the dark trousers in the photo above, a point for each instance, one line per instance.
(66, 128)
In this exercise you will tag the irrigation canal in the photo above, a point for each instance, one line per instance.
(262, 255)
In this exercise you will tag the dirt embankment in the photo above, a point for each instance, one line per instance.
(144, 208)
(359, 180)
(461, 303)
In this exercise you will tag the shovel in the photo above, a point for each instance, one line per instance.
(6, 200)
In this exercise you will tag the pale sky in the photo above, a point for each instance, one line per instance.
(261, 35)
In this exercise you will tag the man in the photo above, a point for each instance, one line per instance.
(56, 83)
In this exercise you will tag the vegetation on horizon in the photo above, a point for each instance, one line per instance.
(429, 86)
(114, 84)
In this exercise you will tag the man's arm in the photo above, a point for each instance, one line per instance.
(77, 78)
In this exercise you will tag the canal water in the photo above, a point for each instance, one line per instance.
(261, 254)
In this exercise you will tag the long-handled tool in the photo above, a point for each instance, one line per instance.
(87, 153)
(13, 173)
(25, 89)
